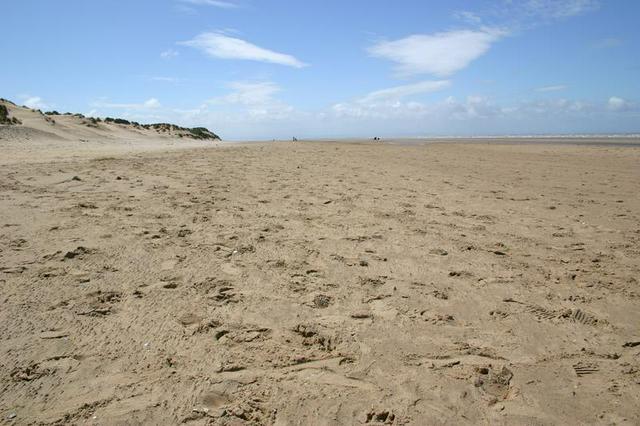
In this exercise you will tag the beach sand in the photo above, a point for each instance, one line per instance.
(320, 283)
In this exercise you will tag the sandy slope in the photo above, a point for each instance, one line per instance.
(323, 284)
(42, 137)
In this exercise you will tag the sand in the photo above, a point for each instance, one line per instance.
(41, 137)
(319, 283)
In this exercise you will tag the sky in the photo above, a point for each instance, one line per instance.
(263, 69)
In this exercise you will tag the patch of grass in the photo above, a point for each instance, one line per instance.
(117, 121)
(202, 133)
(90, 122)
(4, 116)
(4, 113)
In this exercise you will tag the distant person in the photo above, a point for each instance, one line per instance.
(295, 139)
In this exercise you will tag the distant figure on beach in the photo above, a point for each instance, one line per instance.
(375, 138)
(295, 139)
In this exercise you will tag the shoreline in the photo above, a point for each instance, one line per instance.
(551, 140)
(43, 151)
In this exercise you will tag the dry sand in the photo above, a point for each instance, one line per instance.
(320, 283)
(41, 138)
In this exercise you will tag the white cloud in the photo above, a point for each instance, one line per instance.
(398, 92)
(558, 9)
(249, 93)
(151, 103)
(252, 110)
(468, 17)
(388, 103)
(256, 99)
(216, 3)
(440, 54)
(221, 46)
(472, 107)
(451, 110)
(34, 102)
(248, 110)
(169, 53)
(550, 107)
(618, 104)
(555, 88)
(518, 15)
(476, 115)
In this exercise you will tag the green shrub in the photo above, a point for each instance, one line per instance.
(4, 113)
(202, 133)
(4, 116)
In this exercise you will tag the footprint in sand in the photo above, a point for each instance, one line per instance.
(78, 253)
(382, 416)
(313, 337)
(211, 401)
(494, 382)
(99, 303)
(189, 319)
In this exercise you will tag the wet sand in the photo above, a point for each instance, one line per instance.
(630, 141)
(321, 283)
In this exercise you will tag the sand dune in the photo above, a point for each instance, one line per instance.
(42, 137)
(320, 283)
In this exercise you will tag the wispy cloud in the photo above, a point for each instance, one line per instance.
(399, 92)
(471, 107)
(249, 93)
(448, 109)
(34, 102)
(440, 54)
(607, 43)
(389, 103)
(222, 46)
(216, 3)
(478, 115)
(169, 53)
(165, 79)
(468, 17)
(256, 99)
(557, 9)
(555, 88)
(549, 107)
(519, 15)
(253, 110)
(151, 103)
(619, 104)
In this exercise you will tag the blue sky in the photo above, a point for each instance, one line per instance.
(262, 69)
